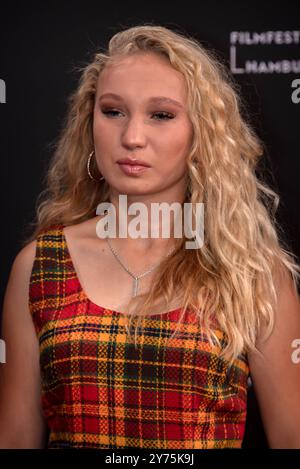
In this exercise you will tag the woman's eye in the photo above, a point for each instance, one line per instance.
(109, 112)
(164, 115)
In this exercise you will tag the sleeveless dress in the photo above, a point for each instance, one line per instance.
(100, 390)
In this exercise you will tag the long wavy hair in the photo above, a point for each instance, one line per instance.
(231, 279)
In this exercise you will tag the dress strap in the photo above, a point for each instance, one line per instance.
(46, 285)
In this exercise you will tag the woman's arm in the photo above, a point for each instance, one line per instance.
(276, 376)
(21, 420)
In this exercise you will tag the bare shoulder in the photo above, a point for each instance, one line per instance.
(83, 232)
(21, 267)
(25, 257)
(16, 293)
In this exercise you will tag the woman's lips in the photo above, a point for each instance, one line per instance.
(131, 169)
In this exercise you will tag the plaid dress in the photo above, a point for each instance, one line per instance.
(99, 390)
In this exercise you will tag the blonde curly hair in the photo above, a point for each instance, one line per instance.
(231, 279)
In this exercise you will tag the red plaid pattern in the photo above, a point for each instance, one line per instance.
(100, 391)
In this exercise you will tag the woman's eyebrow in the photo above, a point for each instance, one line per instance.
(153, 99)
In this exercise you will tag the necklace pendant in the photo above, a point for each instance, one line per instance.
(135, 286)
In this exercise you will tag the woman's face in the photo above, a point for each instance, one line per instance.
(140, 113)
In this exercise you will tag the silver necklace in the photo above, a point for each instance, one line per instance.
(136, 278)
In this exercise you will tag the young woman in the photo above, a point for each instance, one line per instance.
(123, 342)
